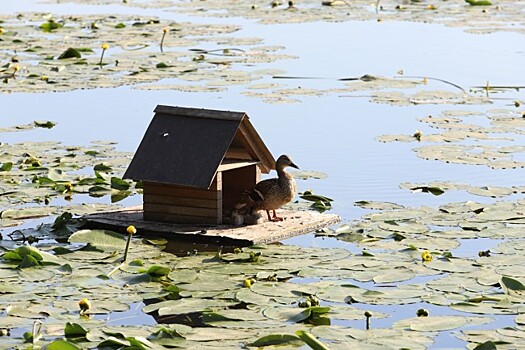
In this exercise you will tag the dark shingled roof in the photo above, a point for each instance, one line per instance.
(185, 146)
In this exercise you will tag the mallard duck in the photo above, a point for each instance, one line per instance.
(271, 194)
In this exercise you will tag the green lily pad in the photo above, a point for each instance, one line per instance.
(275, 339)
(74, 330)
(62, 345)
(70, 53)
(438, 323)
(512, 286)
(479, 2)
(99, 238)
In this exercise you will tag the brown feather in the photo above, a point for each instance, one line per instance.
(271, 194)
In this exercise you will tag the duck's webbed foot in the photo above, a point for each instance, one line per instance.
(275, 218)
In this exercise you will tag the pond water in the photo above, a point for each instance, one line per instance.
(334, 133)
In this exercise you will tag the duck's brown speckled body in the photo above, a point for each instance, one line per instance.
(271, 194)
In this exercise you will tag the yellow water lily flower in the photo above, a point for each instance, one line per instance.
(84, 305)
(104, 47)
(426, 256)
(131, 230)
(248, 282)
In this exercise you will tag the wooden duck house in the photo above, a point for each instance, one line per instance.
(195, 163)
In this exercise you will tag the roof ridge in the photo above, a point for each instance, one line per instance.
(201, 113)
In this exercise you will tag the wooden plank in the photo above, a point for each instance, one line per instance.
(181, 210)
(255, 145)
(232, 164)
(237, 153)
(295, 223)
(180, 191)
(181, 219)
(180, 201)
(216, 184)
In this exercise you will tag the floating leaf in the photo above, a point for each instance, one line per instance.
(488, 345)
(512, 286)
(295, 314)
(159, 271)
(102, 167)
(6, 166)
(50, 25)
(70, 53)
(26, 213)
(119, 195)
(44, 124)
(74, 330)
(99, 238)
(28, 261)
(99, 191)
(26, 250)
(305, 175)
(62, 220)
(66, 268)
(288, 314)
(275, 339)
(119, 184)
(438, 323)
(479, 2)
(436, 191)
(310, 196)
(62, 345)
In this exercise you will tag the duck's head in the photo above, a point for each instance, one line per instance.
(284, 161)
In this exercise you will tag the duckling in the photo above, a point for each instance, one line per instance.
(271, 194)
(245, 216)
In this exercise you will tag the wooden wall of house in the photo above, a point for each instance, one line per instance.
(237, 153)
(182, 204)
(235, 182)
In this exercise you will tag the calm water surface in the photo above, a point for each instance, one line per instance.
(333, 134)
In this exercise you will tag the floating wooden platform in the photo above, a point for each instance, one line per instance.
(295, 223)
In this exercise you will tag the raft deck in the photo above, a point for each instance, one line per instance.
(295, 223)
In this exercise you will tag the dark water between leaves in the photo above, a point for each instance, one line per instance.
(333, 133)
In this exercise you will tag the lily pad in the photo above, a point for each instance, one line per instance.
(438, 323)
(99, 238)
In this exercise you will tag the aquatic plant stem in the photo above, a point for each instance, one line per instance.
(368, 316)
(311, 341)
(101, 58)
(164, 32)
(131, 230)
(365, 77)
(127, 248)
(104, 48)
(115, 269)
(36, 331)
